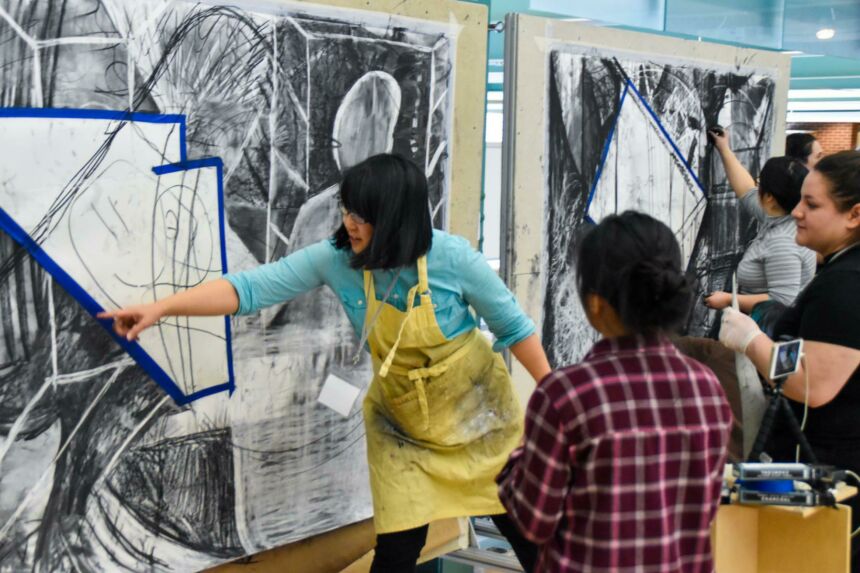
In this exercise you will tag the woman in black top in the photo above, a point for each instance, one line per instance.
(827, 316)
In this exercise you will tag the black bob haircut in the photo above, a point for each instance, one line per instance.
(782, 178)
(633, 261)
(389, 192)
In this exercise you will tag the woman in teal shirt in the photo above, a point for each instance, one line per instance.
(440, 416)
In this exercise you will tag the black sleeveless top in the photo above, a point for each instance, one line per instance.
(828, 310)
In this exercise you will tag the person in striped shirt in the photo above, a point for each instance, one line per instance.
(621, 464)
(774, 267)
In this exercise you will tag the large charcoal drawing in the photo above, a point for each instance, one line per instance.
(628, 132)
(287, 96)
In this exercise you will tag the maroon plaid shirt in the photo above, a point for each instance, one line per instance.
(622, 462)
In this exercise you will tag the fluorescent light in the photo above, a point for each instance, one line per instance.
(825, 33)
(823, 116)
(824, 94)
(824, 105)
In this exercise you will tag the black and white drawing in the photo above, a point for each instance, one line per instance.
(101, 469)
(628, 132)
(116, 231)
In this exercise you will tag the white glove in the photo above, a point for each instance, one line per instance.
(737, 330)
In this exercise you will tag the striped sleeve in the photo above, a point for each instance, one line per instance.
(751, 204)
(783, 269)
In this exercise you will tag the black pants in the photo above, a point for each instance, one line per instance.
(398, 552)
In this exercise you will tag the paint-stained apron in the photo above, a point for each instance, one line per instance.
(441, 415)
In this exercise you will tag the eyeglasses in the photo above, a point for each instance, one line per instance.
(357, 219)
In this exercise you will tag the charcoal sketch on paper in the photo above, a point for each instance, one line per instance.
(118, 231)
(101, 469)
(629, 133)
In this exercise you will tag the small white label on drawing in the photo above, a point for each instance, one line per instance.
(338, 394)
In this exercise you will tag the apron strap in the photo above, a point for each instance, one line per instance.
(422, 288)
(369, 288)
(423, 283)
(383, 370)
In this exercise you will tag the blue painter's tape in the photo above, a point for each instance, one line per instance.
(190, 165)
(226, 387)
(183, 151)
(75, 113)
(605, 152)
(668, 137)
(103, 114)
(8, 224)
(90, 305)
(209, 162)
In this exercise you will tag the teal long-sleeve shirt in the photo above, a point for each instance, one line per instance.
(459, 277)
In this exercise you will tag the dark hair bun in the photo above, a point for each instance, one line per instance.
(782, 177)
(659, 295)
(633, 261)
(842, 171)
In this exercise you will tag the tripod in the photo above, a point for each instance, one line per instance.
(777, 403)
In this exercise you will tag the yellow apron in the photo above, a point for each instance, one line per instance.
(441, 415)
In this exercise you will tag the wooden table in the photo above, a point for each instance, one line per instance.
(779, 539)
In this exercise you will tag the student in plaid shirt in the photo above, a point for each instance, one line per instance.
(621, 465)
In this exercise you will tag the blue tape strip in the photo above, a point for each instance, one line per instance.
(75, 113)
(190, 165)
(103, 114)
(222, 229)
(183, 151)
(228, 387)
(668, 137)
(605, 152)
(90, 305)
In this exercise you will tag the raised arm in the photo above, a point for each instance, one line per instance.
(739, 178)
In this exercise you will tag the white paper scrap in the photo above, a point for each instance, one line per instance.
(339, 395)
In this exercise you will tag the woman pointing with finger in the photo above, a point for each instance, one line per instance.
(440, 415)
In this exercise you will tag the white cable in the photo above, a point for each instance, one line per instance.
(805, 403)
(857, 480)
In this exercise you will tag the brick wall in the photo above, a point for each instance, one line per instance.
(832, 136)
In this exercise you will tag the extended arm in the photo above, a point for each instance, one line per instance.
(828, 366)
(721, 299)
(214, 298)
(241, 293)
